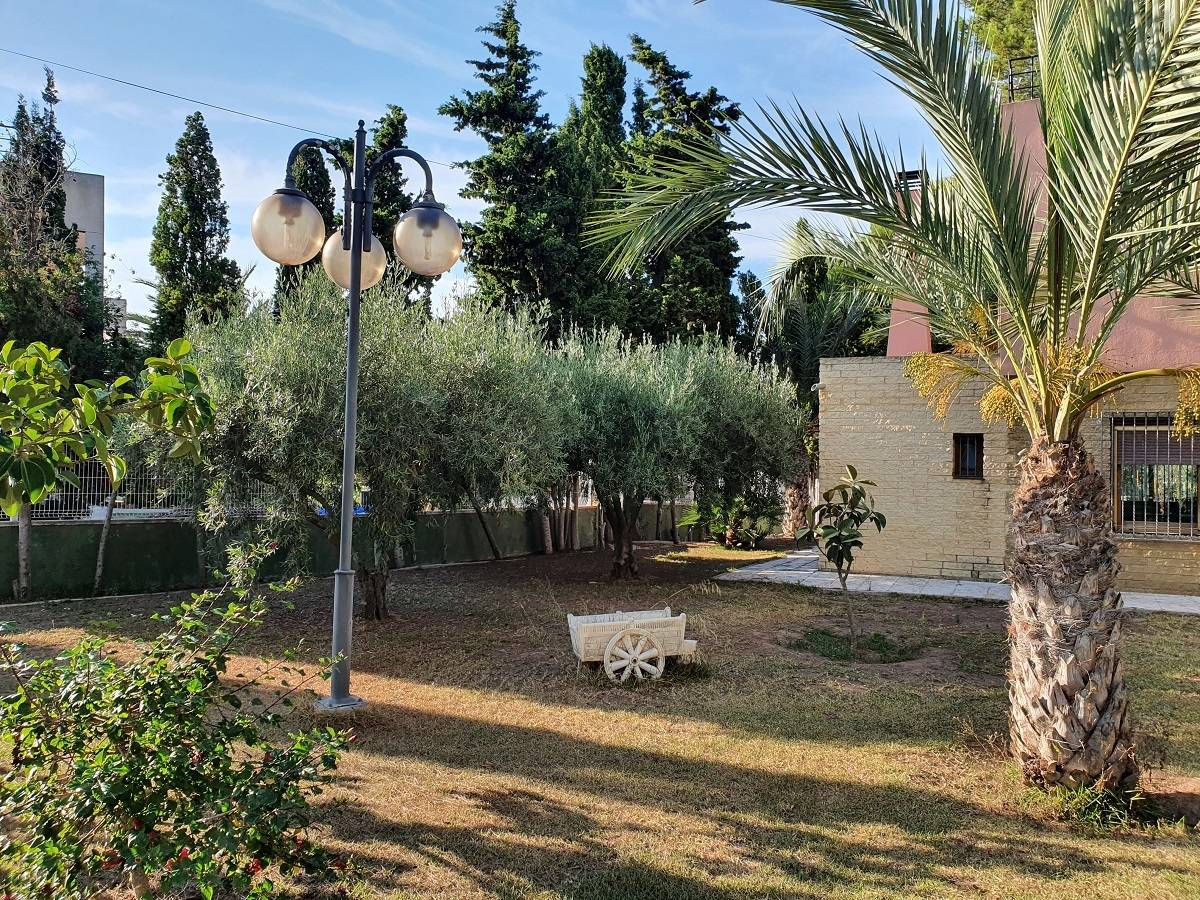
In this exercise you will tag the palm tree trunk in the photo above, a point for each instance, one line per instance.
(796, 497)
(1068, 718)
(795, 506)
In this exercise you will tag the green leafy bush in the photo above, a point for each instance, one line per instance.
(744, 523)
(159, 771)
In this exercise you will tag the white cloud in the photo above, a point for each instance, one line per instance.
(363, 31)
(247, 179)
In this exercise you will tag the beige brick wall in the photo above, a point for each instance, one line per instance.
(939, 526)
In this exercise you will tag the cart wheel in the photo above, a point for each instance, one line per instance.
(633, 652)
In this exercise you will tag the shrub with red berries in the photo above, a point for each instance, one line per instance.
(161, 772)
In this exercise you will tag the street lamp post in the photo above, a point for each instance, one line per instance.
(289, 229)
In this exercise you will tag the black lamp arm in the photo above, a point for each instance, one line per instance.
(289, 180)
(376, 167)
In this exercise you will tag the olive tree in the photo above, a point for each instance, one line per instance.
(279, 384)
(748, 440)
(450, 411)
(497, 425)
(639, 416)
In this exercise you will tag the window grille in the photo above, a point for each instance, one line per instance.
(1155, 477)
(910, 180)
(968, 456)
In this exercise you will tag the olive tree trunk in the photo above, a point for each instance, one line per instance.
(372, 585)
(622, 515)
(1068, 718)
(487, 528)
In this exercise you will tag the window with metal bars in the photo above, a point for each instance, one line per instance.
(1156, 477)
(968, 456)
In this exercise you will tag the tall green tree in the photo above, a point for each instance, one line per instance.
(50, 290)
(191, 237)
(691, 288)
(590, 147)
(392, 197)
(516, 252)
(1031, 276)
(1005, 27)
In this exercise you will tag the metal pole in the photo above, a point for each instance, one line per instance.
(340, 697)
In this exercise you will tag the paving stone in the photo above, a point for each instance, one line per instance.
(801, 568)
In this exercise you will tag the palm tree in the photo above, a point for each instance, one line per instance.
(1025, 278)
(809, 313)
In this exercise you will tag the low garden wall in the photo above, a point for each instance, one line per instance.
(147, 556)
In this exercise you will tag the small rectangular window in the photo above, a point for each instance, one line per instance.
(968, 456)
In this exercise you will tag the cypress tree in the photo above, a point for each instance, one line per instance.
(516, 252)
(392, 197)
(690, 289)
(191, 236)
(590, 147)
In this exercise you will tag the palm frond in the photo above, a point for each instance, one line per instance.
(1123, 131)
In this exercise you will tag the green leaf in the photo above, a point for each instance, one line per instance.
(179, 348)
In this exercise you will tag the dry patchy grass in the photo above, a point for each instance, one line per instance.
(489, 765)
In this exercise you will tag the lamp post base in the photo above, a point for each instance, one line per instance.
(339, 704)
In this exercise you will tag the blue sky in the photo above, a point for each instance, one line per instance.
(323, 64)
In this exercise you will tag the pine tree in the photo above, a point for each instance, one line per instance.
(49, 289)
(590, 147)
(191, 237)
(690, 289)
(1005, 27)
(516, 252)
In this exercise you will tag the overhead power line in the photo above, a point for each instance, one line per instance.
(154, 90)
(144, 87)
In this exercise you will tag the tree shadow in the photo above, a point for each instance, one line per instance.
(789, 834)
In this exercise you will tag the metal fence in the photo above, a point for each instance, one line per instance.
(148, 492)
(155, 492)
(1021, 79)
(1155, 477)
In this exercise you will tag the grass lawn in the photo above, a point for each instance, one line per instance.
(489, 765)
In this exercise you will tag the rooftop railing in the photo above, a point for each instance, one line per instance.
(1021, 79)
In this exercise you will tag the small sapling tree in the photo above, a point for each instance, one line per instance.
(835, 526)
(49, 423)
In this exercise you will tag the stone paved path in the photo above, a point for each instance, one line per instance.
(800, 567)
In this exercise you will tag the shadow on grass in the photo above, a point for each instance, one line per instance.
(786, 830)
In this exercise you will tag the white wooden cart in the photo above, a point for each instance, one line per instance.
(630, 643)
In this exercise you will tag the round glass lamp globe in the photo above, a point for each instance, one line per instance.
(336, 263)
(427, 240)
(287, 228)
